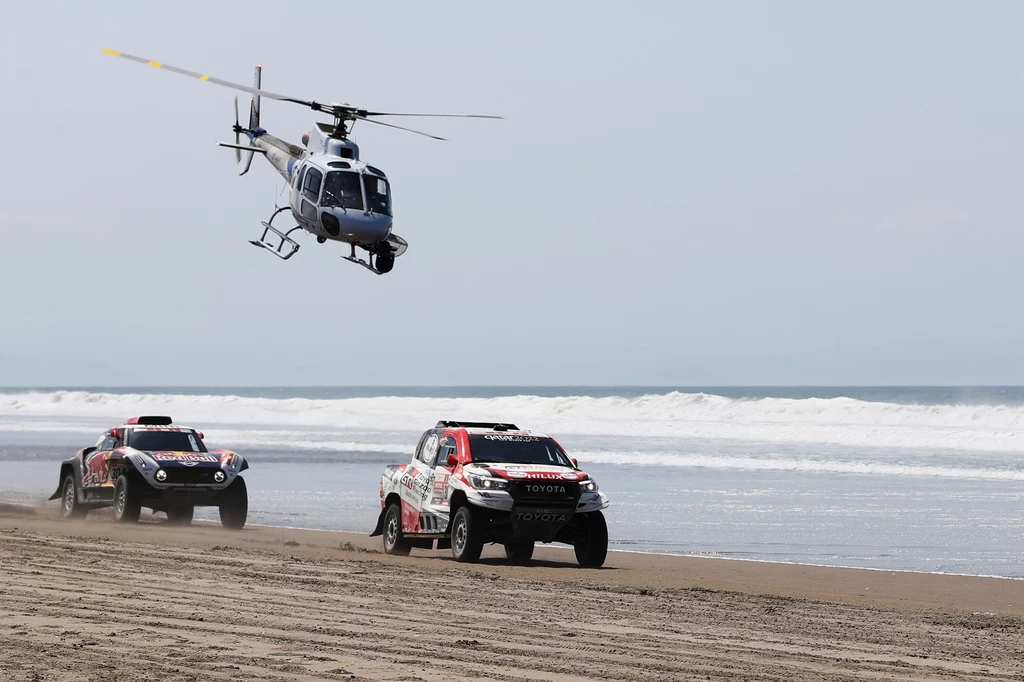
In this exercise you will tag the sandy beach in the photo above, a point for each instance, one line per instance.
(92, 600)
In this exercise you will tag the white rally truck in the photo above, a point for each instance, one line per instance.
(473, 483)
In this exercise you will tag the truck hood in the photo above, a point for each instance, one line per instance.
(517, 472)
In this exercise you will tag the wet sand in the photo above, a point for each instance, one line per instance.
(93, 600)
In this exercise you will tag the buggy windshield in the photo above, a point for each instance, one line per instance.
(517, 449)
(166, 441)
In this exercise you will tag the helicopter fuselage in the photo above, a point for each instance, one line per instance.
(332, 194)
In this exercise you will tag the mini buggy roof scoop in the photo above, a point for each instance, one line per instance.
(496, 426)
(150, 420)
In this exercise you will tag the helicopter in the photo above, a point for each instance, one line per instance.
(332, 193)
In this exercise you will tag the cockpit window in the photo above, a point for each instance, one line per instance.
(377, 195)
(518, 449)
(342, 189)
(311, 185)
(170, 441)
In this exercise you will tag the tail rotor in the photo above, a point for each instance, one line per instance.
(238, 132)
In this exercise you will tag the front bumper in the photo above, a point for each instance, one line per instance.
(502, 500)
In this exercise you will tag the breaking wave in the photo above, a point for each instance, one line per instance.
(832, 421)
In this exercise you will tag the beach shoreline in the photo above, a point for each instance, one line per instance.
(276, 600)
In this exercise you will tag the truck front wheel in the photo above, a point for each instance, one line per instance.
(466, 542)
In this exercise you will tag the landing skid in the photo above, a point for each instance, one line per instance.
(368, 264)
(283, 239)
(381, 260)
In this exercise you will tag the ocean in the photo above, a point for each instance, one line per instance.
(890, 478)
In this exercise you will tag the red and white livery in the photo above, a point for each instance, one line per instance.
(472, 483)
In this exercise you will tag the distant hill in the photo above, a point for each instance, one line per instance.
(22, 371)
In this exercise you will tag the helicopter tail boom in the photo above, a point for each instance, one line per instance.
(254, 110)
(254, 116)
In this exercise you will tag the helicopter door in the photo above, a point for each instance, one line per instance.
(296, 198)
(311, 181)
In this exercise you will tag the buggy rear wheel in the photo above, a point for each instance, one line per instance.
(69, 507)
(181, 516)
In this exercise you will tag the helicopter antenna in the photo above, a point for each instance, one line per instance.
(345, 115)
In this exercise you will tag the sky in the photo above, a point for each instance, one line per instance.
(681, 193)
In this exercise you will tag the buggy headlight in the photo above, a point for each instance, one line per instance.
(160, 475)
(487, 483)
(218, 477)
(588, 486)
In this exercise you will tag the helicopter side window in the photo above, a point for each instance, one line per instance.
(311, 184)
(341, 188)
(377, 195)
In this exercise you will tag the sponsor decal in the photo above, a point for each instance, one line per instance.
(545, 488)
(183, 457)
(517, 474)
(430, 448)
(555, 475)
(512, 439)
(569, 476)
(542, 517)
(420, 485)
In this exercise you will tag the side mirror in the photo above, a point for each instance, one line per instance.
(116, 433)
(201, 436)
(451, 460)
(574, 462)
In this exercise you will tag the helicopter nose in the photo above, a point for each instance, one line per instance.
(362, 228)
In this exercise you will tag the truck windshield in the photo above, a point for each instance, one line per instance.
(517, 449)
(165, 441)
(341, 188)
(378, 198)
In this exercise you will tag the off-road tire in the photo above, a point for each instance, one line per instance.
(126, 500)
(234, 505)
(519, 551)
(466, 542)
(69, 506)
(591, 543)
(181, 516)
(394, 539)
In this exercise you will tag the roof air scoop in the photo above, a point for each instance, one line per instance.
(150, 420)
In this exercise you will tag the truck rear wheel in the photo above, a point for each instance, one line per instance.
(126, 500)
(591, 543)
(394, 539)
(234, 505)
(466, 542)
(519, 550)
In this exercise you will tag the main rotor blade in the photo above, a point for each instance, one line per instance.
(408, 130)
(216, 81)
(392, 113)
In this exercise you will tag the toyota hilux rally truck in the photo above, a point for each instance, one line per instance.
(152, 462)
(471, 483)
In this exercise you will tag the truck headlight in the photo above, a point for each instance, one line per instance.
(160, 475)
(487, 483)
(588, 486)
